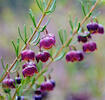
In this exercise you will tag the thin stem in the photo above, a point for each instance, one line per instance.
(28, 42)
(64, 45)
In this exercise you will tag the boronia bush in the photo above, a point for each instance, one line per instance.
(32, 68)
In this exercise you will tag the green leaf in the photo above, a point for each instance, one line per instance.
(37, 42)
(37, 37)
(60, 36)
(14, 47)
(89, 14)
(31, 30)
(52, 8)
(71, 24)
(69, 42)
(6, 66)
(44, 27)
(78, 26)
(17, 49)
(1, 75)
(39, 5)
(83, 8)
(32, 17)
(2, 62)
(25, 34)
(60, 57)
(20, 34)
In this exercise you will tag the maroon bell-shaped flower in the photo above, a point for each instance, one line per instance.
(84, 38)
(43, 56)
(92, 27)
(89, 47)
(47, 86)
(47, 42)
(8, 83)
(29, 70)
(27, 55)
(100, 29)
(74, 56)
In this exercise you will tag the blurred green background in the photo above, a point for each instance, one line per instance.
(84, 78)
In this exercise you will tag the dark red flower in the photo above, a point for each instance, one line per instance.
(29, 70)
(73, 56)
(27, 55)
(43, 56)
(84, 38)
(8, 83)
(47, 41)
(89, 47)
(47, 85)
(92, 27)
(100, 29)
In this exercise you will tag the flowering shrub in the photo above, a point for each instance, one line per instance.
(36, 64)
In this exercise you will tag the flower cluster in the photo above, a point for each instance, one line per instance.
(10, 83)
(88, 46)
(30, 68)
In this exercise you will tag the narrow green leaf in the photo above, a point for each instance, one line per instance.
(17, 49)
(14, 47)
(83, 8)
(69, 42)
(20, 34)
(89, 15)
(6, 66)
(60, 36)
(37, 37)
(37, 42)
(32, 17)
(1, 75)
(25, 34)
(39, 5)
(52, 8)
(43, 28)
(2, 62)
(78, 26)
(71, 24)
(31, 30)
(61, 56)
